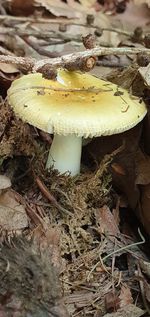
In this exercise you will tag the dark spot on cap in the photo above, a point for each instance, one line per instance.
(41, 92)
(118, 93)
(106, 84)
(25, 106)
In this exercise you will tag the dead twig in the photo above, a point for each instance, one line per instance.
(64, 21)
(50, 197)
(73, 61)
(41, 35)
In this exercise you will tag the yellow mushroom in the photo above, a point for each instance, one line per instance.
(73, 107)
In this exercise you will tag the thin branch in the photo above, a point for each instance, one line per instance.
(71, 61)
(35, 19)
(61, 21)
(50, 197)
(44, 35)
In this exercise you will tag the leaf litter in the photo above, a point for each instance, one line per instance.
(73, 228)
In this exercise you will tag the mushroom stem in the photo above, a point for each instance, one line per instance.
(65, 154)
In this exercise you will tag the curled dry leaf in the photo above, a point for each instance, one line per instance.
(7, 74)
(12, 214)
(8, 68)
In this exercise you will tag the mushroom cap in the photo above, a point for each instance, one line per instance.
(75, 103)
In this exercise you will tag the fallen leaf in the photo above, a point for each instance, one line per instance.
(58, 8)
(88, 3)
(118, 168)
(145, 267)
(19, 7)
(8, 68)
(48, 241)
(125, 296)
(4, 182)
(111, 302)
(5, 82)
(12, 214)
(98, 147)
(146, 289)
(125, 77)
(130, 311)
(143, 168)
(145, 73)
(144, 208)
(106, 221)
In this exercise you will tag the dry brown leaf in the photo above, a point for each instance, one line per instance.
(19, 7)
(125, 296)
(131, 311)
(111, 301)
(106, 221)
(145, 267)
(143, 168)
(4, 182)
(147, 289)
(58, 8)
(8, 68)
(73, 9)
(118, 169)
(145, 73)
(144, 284)
(8, 73)
(12, 214)
(144, 211)
(88, 3)
(48, 241)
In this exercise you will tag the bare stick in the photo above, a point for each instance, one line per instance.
(36, 20)
(70, 61)
(45, 35)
